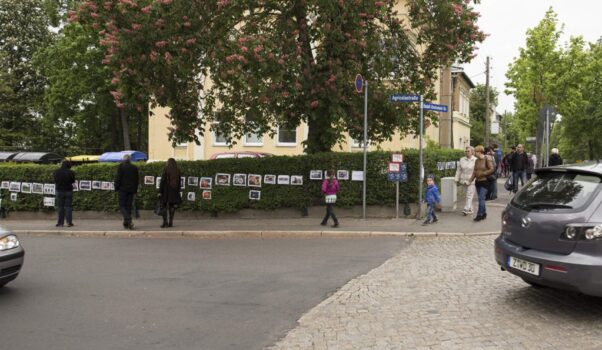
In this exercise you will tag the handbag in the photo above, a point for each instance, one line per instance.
(159, 209)
(491, 178)
(330, 198)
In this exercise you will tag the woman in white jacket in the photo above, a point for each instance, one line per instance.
(463, 175)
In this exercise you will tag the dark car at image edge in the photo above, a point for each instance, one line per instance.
(552, 229)
(12, 256)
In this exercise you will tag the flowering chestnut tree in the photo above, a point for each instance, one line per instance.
(280, 63)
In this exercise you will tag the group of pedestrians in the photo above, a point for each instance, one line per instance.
(126, 185)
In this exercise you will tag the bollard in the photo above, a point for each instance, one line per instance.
(448, 194)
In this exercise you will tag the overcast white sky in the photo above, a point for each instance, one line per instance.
(507, 21)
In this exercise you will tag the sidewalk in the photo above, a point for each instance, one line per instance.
(450, 223)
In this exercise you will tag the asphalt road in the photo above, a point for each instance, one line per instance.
(112, 293)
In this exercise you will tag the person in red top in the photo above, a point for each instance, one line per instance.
(330, 187)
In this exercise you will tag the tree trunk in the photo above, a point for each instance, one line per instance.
(318, 127)
(125, 129)
(139, 139)
(590, 149)
(114, 130)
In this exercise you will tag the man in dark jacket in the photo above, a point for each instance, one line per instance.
(555, 158)
(126, 184)
(519, 163)
(64, 178)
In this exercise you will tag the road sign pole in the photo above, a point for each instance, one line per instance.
(420, 152)
(396, 199)
(547, 129)
(365, 147)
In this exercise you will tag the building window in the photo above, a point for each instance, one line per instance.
(358, 143)
(254, 138)
(219, 139)
(287, 137)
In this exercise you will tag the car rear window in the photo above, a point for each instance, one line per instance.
(224, 156)
(246, 155)
(557, 190)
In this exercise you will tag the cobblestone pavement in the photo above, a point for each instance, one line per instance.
(448, 293)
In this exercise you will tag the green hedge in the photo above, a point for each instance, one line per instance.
(232, 198)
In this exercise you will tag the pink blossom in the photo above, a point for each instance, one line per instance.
(146, 9)
(93, 14)
(116, 94)
(379, 3)
(186, 24)
(285, 93)
(115, 80)
(191, 41)
(244, 48)
(161, 43)
(153, 56)
(168, 57)
(314, 104)
(136, 26)
(281, 61)
(258, 48)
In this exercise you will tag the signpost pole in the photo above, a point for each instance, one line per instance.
(396, 199)
(420, 152)
(365, 147)
(547, 129)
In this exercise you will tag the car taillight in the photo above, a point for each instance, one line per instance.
(585, 232)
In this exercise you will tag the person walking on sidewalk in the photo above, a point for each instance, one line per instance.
(169, 191)
(462, 178)
(555, 158)
(519, 163)
(431, 197)
(126, 184)
(483, 168)
(330, 187)
(64, 178)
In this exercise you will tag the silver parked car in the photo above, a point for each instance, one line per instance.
(552, 229)
(12, 255)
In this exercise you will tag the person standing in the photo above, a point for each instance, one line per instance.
(126, 184)
(431, 197)
(169, 191)
(492, 192)
(64, 178)
(519, 163)
(462, 178)
(531, 167)
(497, 156)
(483, 167)
(555, 158)
(330, 188)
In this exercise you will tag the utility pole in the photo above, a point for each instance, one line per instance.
(487, 121)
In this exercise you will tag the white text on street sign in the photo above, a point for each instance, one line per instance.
(404, 98)
(434, 107)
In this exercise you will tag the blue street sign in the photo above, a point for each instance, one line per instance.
(404, 98)
(401, 176)
(359, 83)
(434, 107)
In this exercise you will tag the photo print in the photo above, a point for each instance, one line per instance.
(269, 179)
(158, 182)
(49, 189)
(4, 185)
(193, 181)
(297, 180)
(284, 180)
(26, 187)
(343, 174)
(85, 185)
(183, 182)
(397, 157)
(222, 179)
(315, 174)
(96, 185)
(254, 195)
(49, 201)
(191, 196)
(149, 180)
(15, 187)
(13, 196)
(75, 186)
(37, 188)
(206, 183)
(254, 180)
(239, 180)
(105, 185)
(207, 195)
(357, 175)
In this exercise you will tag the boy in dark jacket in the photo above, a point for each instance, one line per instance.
(126, 184)
(431, 197)
(64, 178)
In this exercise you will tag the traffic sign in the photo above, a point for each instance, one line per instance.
(434, 107)
(401, 176)
(404, 98)
(359, 83)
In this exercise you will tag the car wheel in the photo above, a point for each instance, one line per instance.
(533, 284)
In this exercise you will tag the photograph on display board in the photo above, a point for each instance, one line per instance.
(315, 174)
(191, 196)
(269, 179)
(284, 180)
(37, 188)
(254, 180)
(343, 174)
(193, 181)
(239, 179)
(206, 183)
(149, 180)
(105, 185)
(96, 185)
(182, 182)
(15, 187)
(75, 186)
(297, 180)
(13, 196)
(158, 182)
(49, 201)
(222, 179)
(112, 186)
(26, 187)
(254, 195)
(85, 185)
(5, 185)
(397, 158)
(49, 189)
(207, 195)
(357, 175)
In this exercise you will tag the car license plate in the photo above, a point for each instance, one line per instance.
(523, 265)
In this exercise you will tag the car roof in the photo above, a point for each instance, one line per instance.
(592, 166)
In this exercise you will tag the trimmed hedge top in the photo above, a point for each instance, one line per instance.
(379, 190)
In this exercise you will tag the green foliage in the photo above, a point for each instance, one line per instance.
(233, 198)
(477, 112)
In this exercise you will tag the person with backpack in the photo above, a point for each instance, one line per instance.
(330, 188)
(169, 192)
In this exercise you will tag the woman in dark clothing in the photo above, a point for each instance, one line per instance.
(169, 190)
(555, 158)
